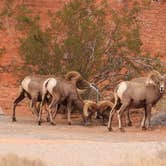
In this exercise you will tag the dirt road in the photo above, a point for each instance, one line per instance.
(64, 145)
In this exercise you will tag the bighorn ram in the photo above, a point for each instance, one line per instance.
(138, 94)
(102, 108)
(62, 92)
(90, 108)
(32, 87)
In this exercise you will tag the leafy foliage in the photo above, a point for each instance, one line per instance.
(23, 17)
(79, 38)
(80, 46)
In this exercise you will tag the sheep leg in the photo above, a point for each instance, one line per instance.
(69, 113)
(120, 113)
(129, 122)
(33, 107)
(144, 118)
(148, 109)
(55, 111)
(57, 108)
(111, 117)
(105, 120)
(41, 109)
(51, 107)
(17, 100)
(113, 110)
(46, 110)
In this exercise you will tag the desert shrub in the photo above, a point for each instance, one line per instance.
(79, 38)
(24, 19)
(159, 159)
(7, 9)
(80, 46)
(125, 50)
(2, 50)
(13, 159)
(35, 50)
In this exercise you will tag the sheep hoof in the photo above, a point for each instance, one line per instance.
(13, 119)
(52, 123)
(69, 123)
(122, 129)
(129, 124)
(48, 119)
(39, 123)
(110, 129)
(144, 128)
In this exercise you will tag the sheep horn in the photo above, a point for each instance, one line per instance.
(152, 77)
(73, 75)
(81, 91)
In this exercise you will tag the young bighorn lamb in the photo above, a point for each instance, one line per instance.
(62, 92)
(138, 94)
(32, 87)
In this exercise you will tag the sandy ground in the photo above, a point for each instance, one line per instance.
(64, 145)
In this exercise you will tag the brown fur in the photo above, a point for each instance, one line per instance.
(138, 94)
(63, 93)
(104, 108)
(34, 92)
(89, 109)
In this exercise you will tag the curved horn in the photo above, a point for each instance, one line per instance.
(81, 91)
(152, 77)
(73, 75)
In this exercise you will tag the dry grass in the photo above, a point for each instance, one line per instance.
(158, 160)
(13, 159)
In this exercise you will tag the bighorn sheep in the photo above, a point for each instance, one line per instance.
(138, 94)
(62, 92)
(32, 87)
(90, 108)
(102, 108)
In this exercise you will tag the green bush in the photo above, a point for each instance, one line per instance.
(80, 22)
(79, 37)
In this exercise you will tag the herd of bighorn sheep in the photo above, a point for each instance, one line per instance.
(50, 93)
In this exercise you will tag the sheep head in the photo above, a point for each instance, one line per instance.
(90, 107)
(156, 79)
(77, 79)
(81, 84)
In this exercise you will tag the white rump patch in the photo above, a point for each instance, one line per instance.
(121, 89)
(51, 83)
(25, 83)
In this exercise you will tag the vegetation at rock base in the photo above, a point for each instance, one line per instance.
(13, 159)
(85, 36)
